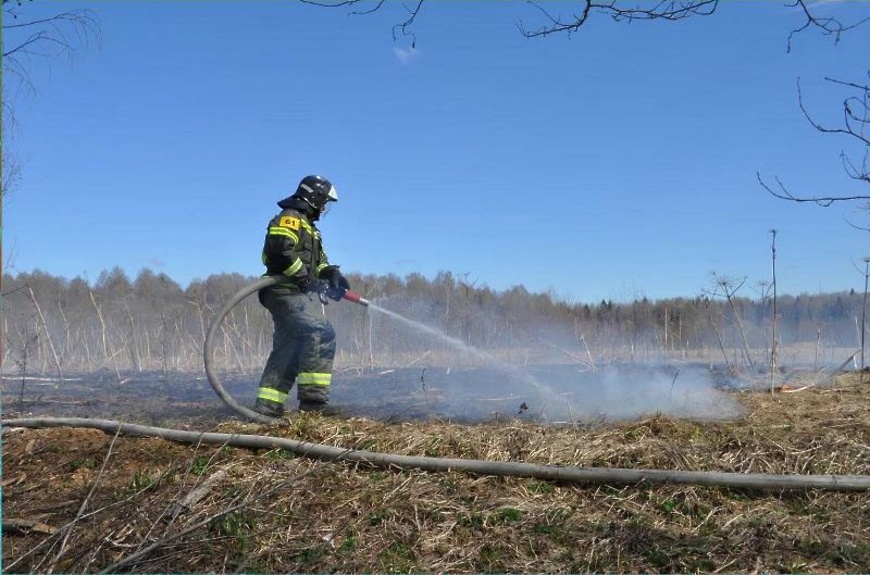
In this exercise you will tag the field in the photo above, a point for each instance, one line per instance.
(85, 500)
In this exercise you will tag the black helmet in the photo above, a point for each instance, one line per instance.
(312, 197)
(316, 191)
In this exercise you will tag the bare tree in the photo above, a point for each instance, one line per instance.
(729, 288)
(11, 166)
(28, 41)
(25, 41)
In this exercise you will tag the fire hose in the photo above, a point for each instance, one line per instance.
(323, 292)
(567, 474)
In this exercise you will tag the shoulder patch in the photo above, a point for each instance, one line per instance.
(289, 222)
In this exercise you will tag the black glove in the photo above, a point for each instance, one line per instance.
(338, 284)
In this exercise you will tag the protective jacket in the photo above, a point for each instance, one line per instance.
(293, 246)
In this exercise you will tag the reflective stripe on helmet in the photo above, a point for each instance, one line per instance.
(330, 196)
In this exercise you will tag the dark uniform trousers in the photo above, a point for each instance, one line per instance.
(303, 348)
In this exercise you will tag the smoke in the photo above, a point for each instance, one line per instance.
(633, 391)
(547, 394)
(492, 388)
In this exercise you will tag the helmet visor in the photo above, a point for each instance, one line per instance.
(331, 196)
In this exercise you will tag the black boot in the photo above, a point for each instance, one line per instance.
(268, 408)
(320, 407)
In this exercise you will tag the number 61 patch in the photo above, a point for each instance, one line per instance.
(289, 222)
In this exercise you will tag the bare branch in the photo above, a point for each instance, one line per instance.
(826, 25)
(850, 117)
(823, 201)
(856, 126)
(861, 174)
(412, 15)
(342, 3)
(671, 10)
(49, 37)
(856, 226)
(377, 5)
(555, 24)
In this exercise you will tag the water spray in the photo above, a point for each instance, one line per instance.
(543, 395)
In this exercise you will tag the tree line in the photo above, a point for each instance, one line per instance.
(65, 326)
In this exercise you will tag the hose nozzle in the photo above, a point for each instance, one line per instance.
(356, 298)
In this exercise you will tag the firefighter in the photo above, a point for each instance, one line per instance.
(303, 346)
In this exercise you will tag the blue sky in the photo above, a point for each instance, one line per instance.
(616, 163)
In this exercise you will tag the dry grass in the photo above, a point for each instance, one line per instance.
(269, 511)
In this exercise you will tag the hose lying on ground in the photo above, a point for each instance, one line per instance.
(607, 476)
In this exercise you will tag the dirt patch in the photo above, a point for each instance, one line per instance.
(95, 501)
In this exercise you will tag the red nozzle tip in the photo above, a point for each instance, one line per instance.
(355, 298)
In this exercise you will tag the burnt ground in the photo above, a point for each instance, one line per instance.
(543, 394)
(81, 500)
